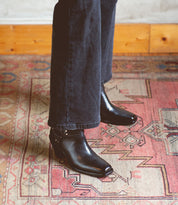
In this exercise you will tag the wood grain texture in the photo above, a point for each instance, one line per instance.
(164, 38)
(25, 39)
(131, 38)
(128, 39)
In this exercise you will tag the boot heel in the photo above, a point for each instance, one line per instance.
(59, 155)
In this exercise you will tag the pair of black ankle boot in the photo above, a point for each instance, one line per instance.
(71, 146)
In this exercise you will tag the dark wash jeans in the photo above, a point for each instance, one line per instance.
(82, 45)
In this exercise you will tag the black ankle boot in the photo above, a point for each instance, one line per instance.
(113, 115)
(71, 147)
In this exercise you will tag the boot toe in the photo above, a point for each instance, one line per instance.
(102, 172)
(133, 119)
(128, 119)
(108, 170)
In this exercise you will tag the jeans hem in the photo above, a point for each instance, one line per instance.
(73, 126)
(106, 80)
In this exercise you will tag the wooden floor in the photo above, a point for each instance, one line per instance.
(142, 39)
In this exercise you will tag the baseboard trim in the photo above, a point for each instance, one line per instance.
(129, 38)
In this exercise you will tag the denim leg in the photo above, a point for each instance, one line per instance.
(76, 65)
(107, 32)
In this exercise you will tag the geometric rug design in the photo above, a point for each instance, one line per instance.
(144, 156)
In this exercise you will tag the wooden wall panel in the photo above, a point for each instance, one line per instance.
(25, 39)
(131, 38)
(164, 38)
(128, 38)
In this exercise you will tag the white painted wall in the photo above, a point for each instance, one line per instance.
(128, 11)
(147, 11)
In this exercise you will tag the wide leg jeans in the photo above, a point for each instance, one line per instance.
(81, 60)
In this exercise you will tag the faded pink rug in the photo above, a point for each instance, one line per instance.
(144, 156)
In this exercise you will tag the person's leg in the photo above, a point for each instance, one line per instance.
(76, 65)
(76, 84)
(110, 113)
(107, 33)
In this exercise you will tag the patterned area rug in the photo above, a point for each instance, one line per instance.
(144, 156)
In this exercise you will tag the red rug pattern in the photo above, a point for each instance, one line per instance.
(144, 156)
